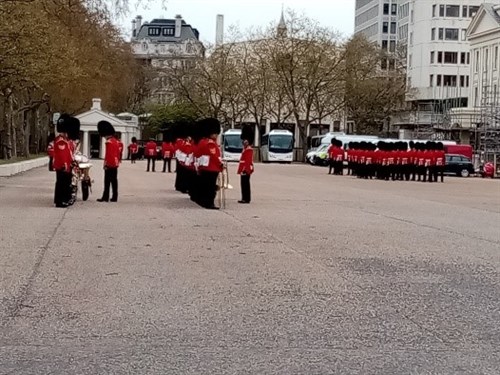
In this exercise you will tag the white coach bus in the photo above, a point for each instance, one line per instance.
(232, 146)
(277, 147)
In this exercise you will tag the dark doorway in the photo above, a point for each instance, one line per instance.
(95, 145)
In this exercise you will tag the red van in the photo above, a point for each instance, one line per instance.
(465, 150)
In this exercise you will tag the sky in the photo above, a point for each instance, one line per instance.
(201, 14)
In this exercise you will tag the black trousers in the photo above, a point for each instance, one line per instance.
(193, 187)
(51, 160)
(110, 179)
(169, 163)
(133, 158)
(181, 179)
(245, 188)
(150, 159)
(208, 188)
(62, 193)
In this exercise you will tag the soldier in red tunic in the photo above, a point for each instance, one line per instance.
(209, 164)
(111, 161)
(151, 153)
(167, 151)
(245, 168)
(133, 150)
(62, 164)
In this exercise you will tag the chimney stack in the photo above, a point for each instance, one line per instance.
(134, 31)
(138, 24)
(178, 25)
(96, 104)
(219, 30)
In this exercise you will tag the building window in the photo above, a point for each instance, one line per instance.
(392, 64)
(475, 96)
(386, 9)
(168, 31)
(464, 34)
(441, 33)
(433, 54)
(392, 46)
(468, 58)
(453, 11)
(450, 81)
(473, 10)
(393, 27)
(154, 31)
(464, 11)
(412, 16)
(431, 80)
(451, 57)
(385, 27)
(495, 63)
(463, 57)
(384, 45)
(434, 8)
(438, 83)
(441, 11)
(467, 81)
(440, 57)
(451, 34)
(486, 59)
(411, 39)
(462, 81)
(433, 34)
(394, 9)
(476, 68)
(383, 64)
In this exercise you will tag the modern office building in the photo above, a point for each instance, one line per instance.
(433, 36)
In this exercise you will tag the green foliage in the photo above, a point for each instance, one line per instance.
(164, 116)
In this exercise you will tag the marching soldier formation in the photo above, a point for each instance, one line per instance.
(398, 161)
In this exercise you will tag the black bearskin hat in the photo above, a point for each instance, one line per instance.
(167, 135)
(73, 129)
(440, 146)
(105, 129)
(134, 139)
(63, 123)
(213, 126)
(333, 141)
(412, 144)
(248, 134)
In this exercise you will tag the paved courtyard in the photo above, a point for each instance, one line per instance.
(319, 275)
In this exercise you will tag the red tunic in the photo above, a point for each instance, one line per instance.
(210, 159)
(63, 154)
(246, 161)
(133, 148)
(150, 151)
(167, 150)
(113, 153)
(120, 146)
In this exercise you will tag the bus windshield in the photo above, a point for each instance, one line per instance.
(280, 143)
(232, 143)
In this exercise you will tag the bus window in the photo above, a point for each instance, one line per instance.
(280, 142)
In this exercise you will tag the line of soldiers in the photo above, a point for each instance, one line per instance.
(415, 161)
(198, 159)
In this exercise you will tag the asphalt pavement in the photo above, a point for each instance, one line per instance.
(318, 275)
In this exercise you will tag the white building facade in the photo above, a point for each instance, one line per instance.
(92, 144)
(438, 51)
(163, 42)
